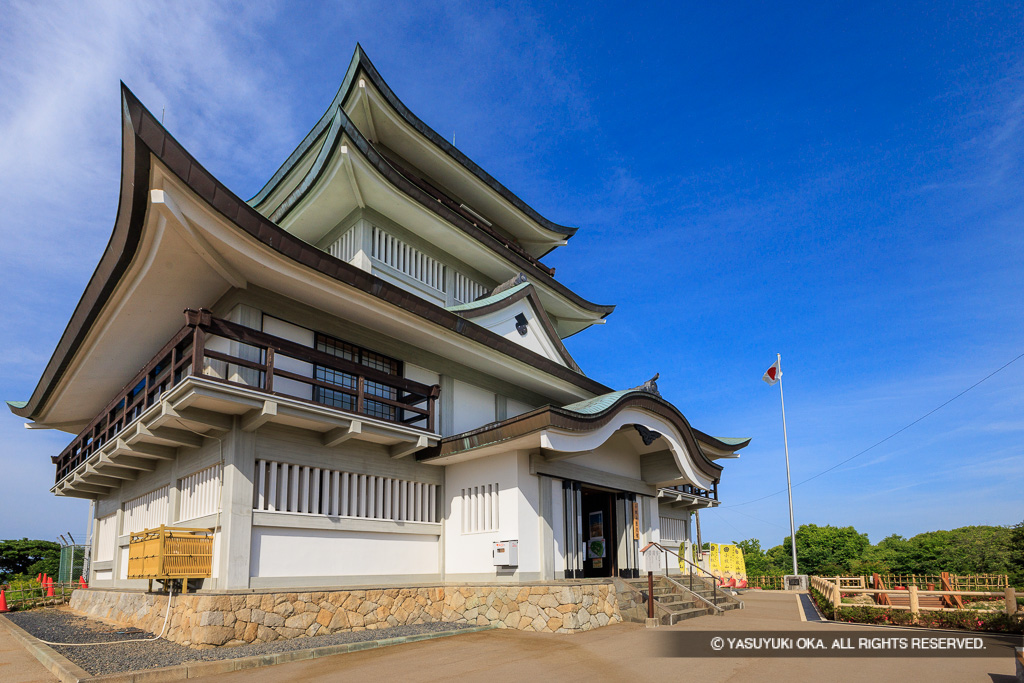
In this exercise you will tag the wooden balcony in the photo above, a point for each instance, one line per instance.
(239, 356)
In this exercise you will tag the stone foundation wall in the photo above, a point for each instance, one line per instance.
(207, 620)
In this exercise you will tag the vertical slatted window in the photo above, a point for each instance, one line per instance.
(673, 529)
(345, 247)
(200, 493)
(479, 508)
(467, 290)
(407, 260)
(148, 511)
(283, 487)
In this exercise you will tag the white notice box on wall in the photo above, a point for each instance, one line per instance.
(506, 553)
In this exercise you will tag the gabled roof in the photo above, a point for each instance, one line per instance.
(507, 297)
(361, 62)
(144, 139)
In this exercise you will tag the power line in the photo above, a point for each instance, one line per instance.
(879, 443)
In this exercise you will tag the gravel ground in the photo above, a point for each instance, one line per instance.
(60, 626)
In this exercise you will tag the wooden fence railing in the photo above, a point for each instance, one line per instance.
(833, 589)
(337, 382)
(27, 597)
(967, 582)
(768, 583)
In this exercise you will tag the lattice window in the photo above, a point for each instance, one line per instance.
(200, 493)
(370, 359)
(480, 508)
(283, 487)
(148, 511)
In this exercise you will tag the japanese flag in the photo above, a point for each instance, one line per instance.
(774, 374)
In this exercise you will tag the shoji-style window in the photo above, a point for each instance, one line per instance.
(480, 508)
(200, 493)
(283, 487)
(406, 259)
(362, 356)
(106, 538)
(148, 511)
(673, 529)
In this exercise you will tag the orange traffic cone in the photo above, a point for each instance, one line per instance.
(3, 602)
(40, 577)
(49, 587)
(81, 581)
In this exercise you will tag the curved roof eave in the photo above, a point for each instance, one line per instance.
(143, 136)
(118, 254)
(722, 442)
(361, 61)
(575, 420)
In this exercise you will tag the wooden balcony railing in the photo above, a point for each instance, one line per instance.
(241, 356)
(711, 493)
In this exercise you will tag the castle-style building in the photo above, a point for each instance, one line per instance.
(357, 377)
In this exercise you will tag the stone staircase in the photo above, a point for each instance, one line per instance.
(674, 600)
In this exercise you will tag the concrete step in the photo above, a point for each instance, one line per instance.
(681, 615)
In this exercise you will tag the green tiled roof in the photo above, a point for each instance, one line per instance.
(730, 440)
(17, 404)
(488, 300)
(595, 405)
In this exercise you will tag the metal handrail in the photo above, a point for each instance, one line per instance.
(714, 579)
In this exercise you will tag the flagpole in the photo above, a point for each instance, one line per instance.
(789, 484)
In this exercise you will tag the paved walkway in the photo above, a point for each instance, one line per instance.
(17, 665)
(624, 652)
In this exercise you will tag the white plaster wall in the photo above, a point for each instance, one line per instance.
(536, 339)
(470, 553)
(299, 335)
(528, 504)
(421, 375)
(616, 456)
(474, 407)
(314, 552)
(514, 407)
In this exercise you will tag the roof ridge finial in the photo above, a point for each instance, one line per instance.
(650, 386)
(508, 284)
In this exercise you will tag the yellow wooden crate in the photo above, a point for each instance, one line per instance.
(170, 553)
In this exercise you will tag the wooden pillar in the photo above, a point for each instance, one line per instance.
(915, 603)
(1011, 601)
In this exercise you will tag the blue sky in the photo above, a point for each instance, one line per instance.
(839, 184)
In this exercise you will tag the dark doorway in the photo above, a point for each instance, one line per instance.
(599, 536)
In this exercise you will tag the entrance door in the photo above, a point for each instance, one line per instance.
(602, 532)
(600, 540)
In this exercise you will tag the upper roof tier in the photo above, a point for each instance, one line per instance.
(369, 157)
(417, 152)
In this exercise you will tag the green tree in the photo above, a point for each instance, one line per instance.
(1016, 555)
(827, 550)
(28, 558)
